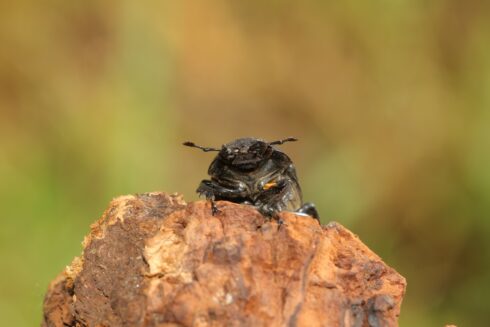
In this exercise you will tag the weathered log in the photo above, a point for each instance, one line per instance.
(153, 260)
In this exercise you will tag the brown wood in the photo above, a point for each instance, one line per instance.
(153, 260)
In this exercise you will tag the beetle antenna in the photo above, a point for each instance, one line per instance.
(288, 139)
(192, 145)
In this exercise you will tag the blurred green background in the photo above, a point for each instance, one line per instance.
(390, 99)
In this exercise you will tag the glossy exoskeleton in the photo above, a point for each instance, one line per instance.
(251, 171)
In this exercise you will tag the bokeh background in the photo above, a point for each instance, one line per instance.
(390, 99)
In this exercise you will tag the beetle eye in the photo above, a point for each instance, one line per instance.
(256, 148)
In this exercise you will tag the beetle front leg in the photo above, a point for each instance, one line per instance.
(207, 189)
(214, 207)
(213, 191)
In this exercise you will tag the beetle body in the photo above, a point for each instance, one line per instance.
(252, 171)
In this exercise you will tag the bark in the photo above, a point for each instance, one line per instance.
(153, 260)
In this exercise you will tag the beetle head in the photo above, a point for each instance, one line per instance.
(245, 153)
(248, 153)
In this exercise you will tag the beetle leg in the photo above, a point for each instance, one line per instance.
(205, 189)
(275, 199)
(271, 213)
(279, 220)
(280, 223)
(214, 207)
(213, 191)
(211, 188)
(309, 209)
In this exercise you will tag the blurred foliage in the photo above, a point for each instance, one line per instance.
(391, 101)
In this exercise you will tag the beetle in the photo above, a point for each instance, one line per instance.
(252, 171)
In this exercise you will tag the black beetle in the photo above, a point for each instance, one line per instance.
(251, 171)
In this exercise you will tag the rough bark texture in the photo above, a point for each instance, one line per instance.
(153, 260)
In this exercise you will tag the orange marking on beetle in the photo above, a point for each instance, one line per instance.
(269, 185)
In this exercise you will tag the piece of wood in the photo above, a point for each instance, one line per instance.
(153, 260)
